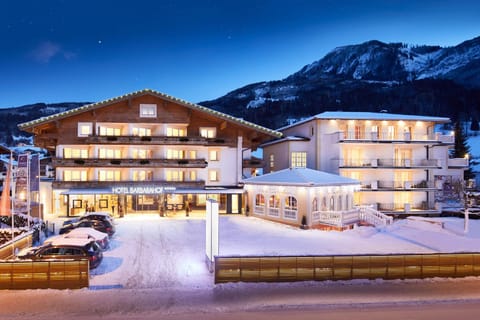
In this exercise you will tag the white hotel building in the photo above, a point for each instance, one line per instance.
(402, 163)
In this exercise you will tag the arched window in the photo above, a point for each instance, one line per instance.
(332, 204)
(348, 205)
(315, 204)
(259, 204)
(291, 209)
(340, 204)
(274, 206)
(324, 204)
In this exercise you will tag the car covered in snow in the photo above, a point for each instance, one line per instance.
(65, 249)
(104, 226)
(101, 238)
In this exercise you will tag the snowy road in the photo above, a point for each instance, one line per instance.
(155, 269)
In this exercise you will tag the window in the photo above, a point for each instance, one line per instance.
(174, 175)
(208, 132)
(75, 175)
(192, 175)
(175, 154)
(109, 175)
(290, 210)
(274, 206)
(299, 159)
(109, 131)
(109, 153)
(141, 154)
(315, 204)
(213, 175)
(141, 132)
(84, 129)
(142, 175)
(271, 160)
(214, 155)
(70, 153)
(176, 132)
(192, 154)
(259, 204)
(148, 110)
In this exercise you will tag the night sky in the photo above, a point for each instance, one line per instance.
(91, 50)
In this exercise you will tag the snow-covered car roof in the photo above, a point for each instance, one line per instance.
(26, 251)
(61, 240)
(85, 232)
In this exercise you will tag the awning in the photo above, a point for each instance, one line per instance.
(177, 191)
(87, 191)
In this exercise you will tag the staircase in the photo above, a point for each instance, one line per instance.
(360, 214)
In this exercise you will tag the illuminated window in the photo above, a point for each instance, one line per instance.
(75, 175)
(174, 175)
(315, 204)
(290, 210)
(299, 159)
(70, 153)
(109, 153)
(141, 154)
(142, 175)
(175, 154)
(208, 132)
(148, 110)
(192, 154)
(176, 132)
(141, 132)
(109, 131)
(84, 129)
(213, 175)
(214, 155)
(193, 175)
(109, 175)
(272, 161)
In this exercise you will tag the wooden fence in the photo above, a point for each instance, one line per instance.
(17, 274)
(19, 242)
(347, 267)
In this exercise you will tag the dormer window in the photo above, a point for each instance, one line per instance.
(148, 110)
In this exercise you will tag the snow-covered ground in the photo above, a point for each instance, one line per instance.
(154, 262)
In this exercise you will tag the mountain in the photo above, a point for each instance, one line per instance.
(371, 76)
(10, 135)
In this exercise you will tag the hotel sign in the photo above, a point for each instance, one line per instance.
(141, 189)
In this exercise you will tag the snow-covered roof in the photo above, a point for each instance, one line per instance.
(301, 177)
(61, 240)
(343, 115)
(85, 232)
(88, 107)
(284, 139)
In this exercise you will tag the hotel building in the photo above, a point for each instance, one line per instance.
(402, 163)
(146, 152)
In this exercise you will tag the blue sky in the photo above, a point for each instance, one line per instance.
(91, 50)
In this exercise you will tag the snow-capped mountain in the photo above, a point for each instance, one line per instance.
(370, 76)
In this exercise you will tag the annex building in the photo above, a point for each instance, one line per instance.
(402, 162)
(146, 152)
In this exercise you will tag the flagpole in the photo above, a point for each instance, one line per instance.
(12, 202)
(29, 215)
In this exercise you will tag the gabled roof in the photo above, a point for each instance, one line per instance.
(284, 139)
(343, 115)
(88, 107)
(301, 177)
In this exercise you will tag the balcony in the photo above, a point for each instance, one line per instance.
(422, 207)
(457, 163)
(200, 184)
(374, 137)
(253, 163)
(130, 163)
(382, 185)
(389, 163)
(160, 140)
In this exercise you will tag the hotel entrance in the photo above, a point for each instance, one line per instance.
(169, 203)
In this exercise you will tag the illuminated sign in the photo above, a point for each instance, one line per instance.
(142, 190)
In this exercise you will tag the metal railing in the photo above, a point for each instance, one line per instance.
(348, 217)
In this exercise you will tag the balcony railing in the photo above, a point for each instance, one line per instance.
(457, 163)
(161, 163)
(398, 185)
(389, 163)
(352, 136)
(253, 163)
(422, 206)
(199, 184)
(162, 140)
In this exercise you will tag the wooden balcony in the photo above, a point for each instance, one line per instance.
(160, 140)
(107, 185)
(130, 163)
(253, 162)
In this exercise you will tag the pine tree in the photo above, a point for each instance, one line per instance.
(462, 149)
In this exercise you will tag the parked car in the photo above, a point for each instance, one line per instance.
(101, 238)
(94, 215)
(102, 226)
(63, 249)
